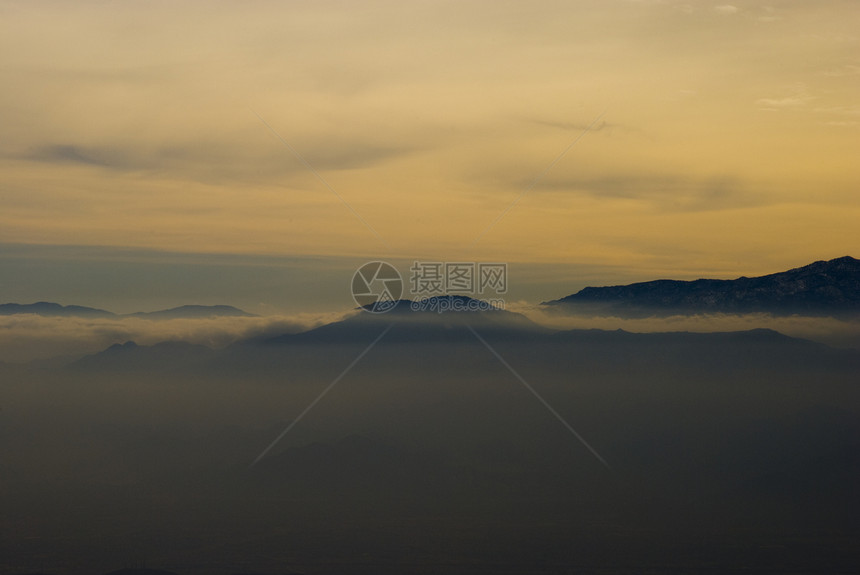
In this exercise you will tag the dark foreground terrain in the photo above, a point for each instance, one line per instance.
(725, 453)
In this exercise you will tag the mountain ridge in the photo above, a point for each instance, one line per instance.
(51, 309)
(192, 311)
(822, 288)
(188, 311)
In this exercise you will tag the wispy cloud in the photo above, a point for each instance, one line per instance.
(666, 191)
(853, 111)
(797, 99)
(208, 161)
(572, 126)
(842, 116)
(843, 71)
(726, 9)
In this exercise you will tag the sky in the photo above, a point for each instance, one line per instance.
(256, 153)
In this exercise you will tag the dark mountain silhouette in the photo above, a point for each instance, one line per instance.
(49, 309)
(443, 318)
(193, 312)
(824, 288)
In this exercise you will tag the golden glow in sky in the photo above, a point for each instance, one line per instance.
(729, 141)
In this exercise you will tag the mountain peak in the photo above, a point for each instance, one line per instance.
(837, 264)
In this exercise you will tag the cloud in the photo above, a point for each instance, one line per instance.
(846, 116)
(726, 9)
(846, 70)
(840, 333)
(840, 110)
(670, 192)
(789, 102)
(797, 99)
(207, 161)
(66, 153)
(29, 337)
(573, 126)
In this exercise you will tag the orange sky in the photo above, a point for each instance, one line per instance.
(728, 144)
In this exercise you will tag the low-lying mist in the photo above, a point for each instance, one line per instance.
(829, 330)
(31, 337)
(27, 337)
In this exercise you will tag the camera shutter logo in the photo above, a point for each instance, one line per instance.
(377, 286)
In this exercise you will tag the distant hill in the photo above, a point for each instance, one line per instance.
(193, 312)
(49, 309)
(442, 318)
(824, 288)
